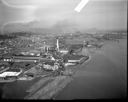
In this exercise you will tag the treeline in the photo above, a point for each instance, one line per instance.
(3, 37)
(113, 36)
(14, 35)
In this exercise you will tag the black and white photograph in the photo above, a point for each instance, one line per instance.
(63, 49)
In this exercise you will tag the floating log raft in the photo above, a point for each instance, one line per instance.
(38, 85)
(50, 89)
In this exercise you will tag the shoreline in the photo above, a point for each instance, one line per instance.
(100, 78)
(96, 64)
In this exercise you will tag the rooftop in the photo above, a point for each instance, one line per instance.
(76, 46)
(74, 57)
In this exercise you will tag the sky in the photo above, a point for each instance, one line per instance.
(60, 15)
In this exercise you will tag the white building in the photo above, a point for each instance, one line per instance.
(11, 73)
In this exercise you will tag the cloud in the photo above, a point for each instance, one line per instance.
(12, 14)
(62, 26)
(60, 16)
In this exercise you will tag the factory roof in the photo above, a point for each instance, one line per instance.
(76, 46)
(11, 72)
(49, 62)
(14, 70)
(74, 57)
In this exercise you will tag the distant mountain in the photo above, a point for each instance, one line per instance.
(95, 30)
(92, 30)
(61, 27)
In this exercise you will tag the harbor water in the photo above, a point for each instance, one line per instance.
(104, 76)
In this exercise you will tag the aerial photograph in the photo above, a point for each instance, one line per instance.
(63, 49)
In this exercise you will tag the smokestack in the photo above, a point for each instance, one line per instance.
(57, 44)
